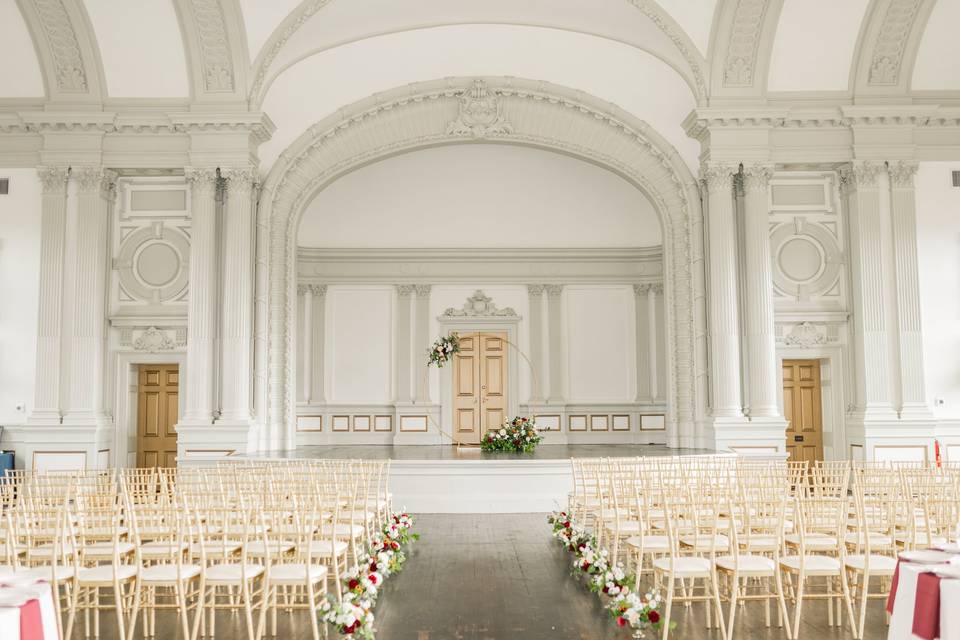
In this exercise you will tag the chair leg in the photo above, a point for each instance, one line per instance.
(864, 595)
(799, 606)
(118, 595)
(715, 588)
(667, 607)
(847, 601)
(181, 590)
(782, 602)
(734, 590)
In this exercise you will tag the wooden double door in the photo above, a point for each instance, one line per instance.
(803, 410)
(158, 404)
(479, 385)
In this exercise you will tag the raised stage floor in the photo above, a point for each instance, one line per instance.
(445, 479)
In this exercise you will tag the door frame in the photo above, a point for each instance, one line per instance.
(128, 384)
(511, 326)
(832, 401)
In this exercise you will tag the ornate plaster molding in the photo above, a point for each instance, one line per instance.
(757, 177)
(153, 339)
(902, 174)
(240, 179)
(717, 176)
(94, 179)
(479, 305)
(423, 290)
(64, 46)
(554, 290)
(481, 114)
(256, 124)
(536, 289)
(655, 13)
(862, 174)
(406, 290)
(316, 290)
(201, 179)
(216, 58)
(53, 178)
(806, 335)
(891, 44)
(745, 34)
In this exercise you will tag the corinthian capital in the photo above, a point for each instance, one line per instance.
(901, 174)
(239, 179)
(53, 179)
(94, 179)
(757, 177)
(861, 174)
(717, 176)
(202, 179)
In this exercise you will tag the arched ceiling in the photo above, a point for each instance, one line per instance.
(243, 55)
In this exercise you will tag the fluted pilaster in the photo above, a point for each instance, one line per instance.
(535, 297)
(202, 305)
(53, 220)
(555, 321)
(759, 311)
(724, 327)
(405, 294)
(422, 343)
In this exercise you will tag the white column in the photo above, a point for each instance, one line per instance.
(761, 340)
(237, 297)
(871, 338)
(317, 394)
(306, 290)
(909, 332)
(202, 305)
(653, 290)
(404, 294)
(723, 322)
(422, 343)
(89, 272)
(535, 297)
(554, 318)
(53, 221)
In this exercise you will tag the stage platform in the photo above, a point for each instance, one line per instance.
(444, 479)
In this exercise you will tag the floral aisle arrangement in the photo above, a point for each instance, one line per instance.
(353, 616)
(443, 349)
(519, 435)
(611, 583)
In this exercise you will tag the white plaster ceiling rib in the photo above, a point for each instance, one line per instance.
(668, 40)
(887, 48)
(67, 50)
(740, 50)
(216, 49)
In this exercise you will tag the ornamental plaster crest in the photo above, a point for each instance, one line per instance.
(805, 335)
(481, 114)
(153, 340)
(479, 305)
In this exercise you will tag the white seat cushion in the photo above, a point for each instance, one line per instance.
(323, 549)
(877, 540)
(749, 565)
(105, 549)
(625, 527)
(64, 572)
(815, 541)
(760, 543)
(685, 567)
(104, 574)
(276, 547)
(231, 573)
(217, 548)
(167, 573)
(161, 548)
(345, 530)
(879, 565)
(703, 541)
(813, 565)
(652, 544)
(296, 574)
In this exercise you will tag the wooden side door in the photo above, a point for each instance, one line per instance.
(493, 380)
(802, 409)
(466, 390)
(158, 398)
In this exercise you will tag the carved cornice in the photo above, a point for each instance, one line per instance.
(64, 47)
(479, 305)
(891, 43)
(757, 177)
(902, 174)
(257, 124)
(745, 32)
(53, 179)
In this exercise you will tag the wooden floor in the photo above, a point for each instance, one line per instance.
(502, 577)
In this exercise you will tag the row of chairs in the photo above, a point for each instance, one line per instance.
(249, 538)
(716, 529)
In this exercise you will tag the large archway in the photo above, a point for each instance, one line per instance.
(455, 110)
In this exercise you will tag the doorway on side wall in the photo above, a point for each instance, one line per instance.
(803, 409)
(480, 384)
(158, 401)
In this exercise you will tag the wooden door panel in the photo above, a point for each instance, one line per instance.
(157, 415)
(466, 381)
(802, 409)
(479, 385)
(493, 396)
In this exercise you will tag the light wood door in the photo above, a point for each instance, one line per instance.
(157, 415)
(479, 385)
(802, 409)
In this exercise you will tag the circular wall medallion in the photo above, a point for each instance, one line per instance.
(800, 259)
(157, 264)
(807, 259)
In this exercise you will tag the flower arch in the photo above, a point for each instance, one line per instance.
(498, 110)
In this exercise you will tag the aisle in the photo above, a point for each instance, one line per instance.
(501, 577)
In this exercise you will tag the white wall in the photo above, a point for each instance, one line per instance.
(483, 195)
(938, 240)
(600, 340)
(19, 282)
(358, 350)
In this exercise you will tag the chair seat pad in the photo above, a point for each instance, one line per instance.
(685, 567)
(922, 539)
(105, 549)
(296, 574)
(625, 526)
(747, 565)
(815, 541)
(760, 543)
(104, 574)
(343, 529)
(719, 541)
(357, 515)
(231, 573)
(217, 548)
(879, 565)
(64, 572)
(876, 539)
(276, 547)
(650, 543)
(167, 573)
(821, 565)
(325, 549)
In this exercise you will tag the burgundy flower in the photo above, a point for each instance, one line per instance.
(653, 617)
(373, 578)
(353, 584)
(373, 566)
(353, 627)
(566, 525)
(621, 621)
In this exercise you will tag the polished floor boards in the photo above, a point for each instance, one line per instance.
(502, 577)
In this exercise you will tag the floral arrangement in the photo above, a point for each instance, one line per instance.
(623, 603)
(353, 616)
(519, 435)
(443, 349)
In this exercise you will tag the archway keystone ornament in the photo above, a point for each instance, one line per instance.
(532, 113)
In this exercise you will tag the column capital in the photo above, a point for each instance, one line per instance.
(536, 289)
(902, 173)
(53, 178)
(202, 178)
(756, 177)
(423, 290)
(240, 178)
(553, 290)
(315, 290)
(641, 289)
(717, 176)
(94, 179)
(859, 174)
(405, 290)
(656, 288)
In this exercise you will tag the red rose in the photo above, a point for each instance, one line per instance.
(621, 621)
(586, 566)
(653, 617)
(351, 628)
(373, 566)
(605, 590)
(353, 584)
(373, 579)
(566, 525)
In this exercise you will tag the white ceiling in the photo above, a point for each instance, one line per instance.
(23, 79)
(938, 59)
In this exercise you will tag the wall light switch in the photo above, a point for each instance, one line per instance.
(20, 407)
(938, 402)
